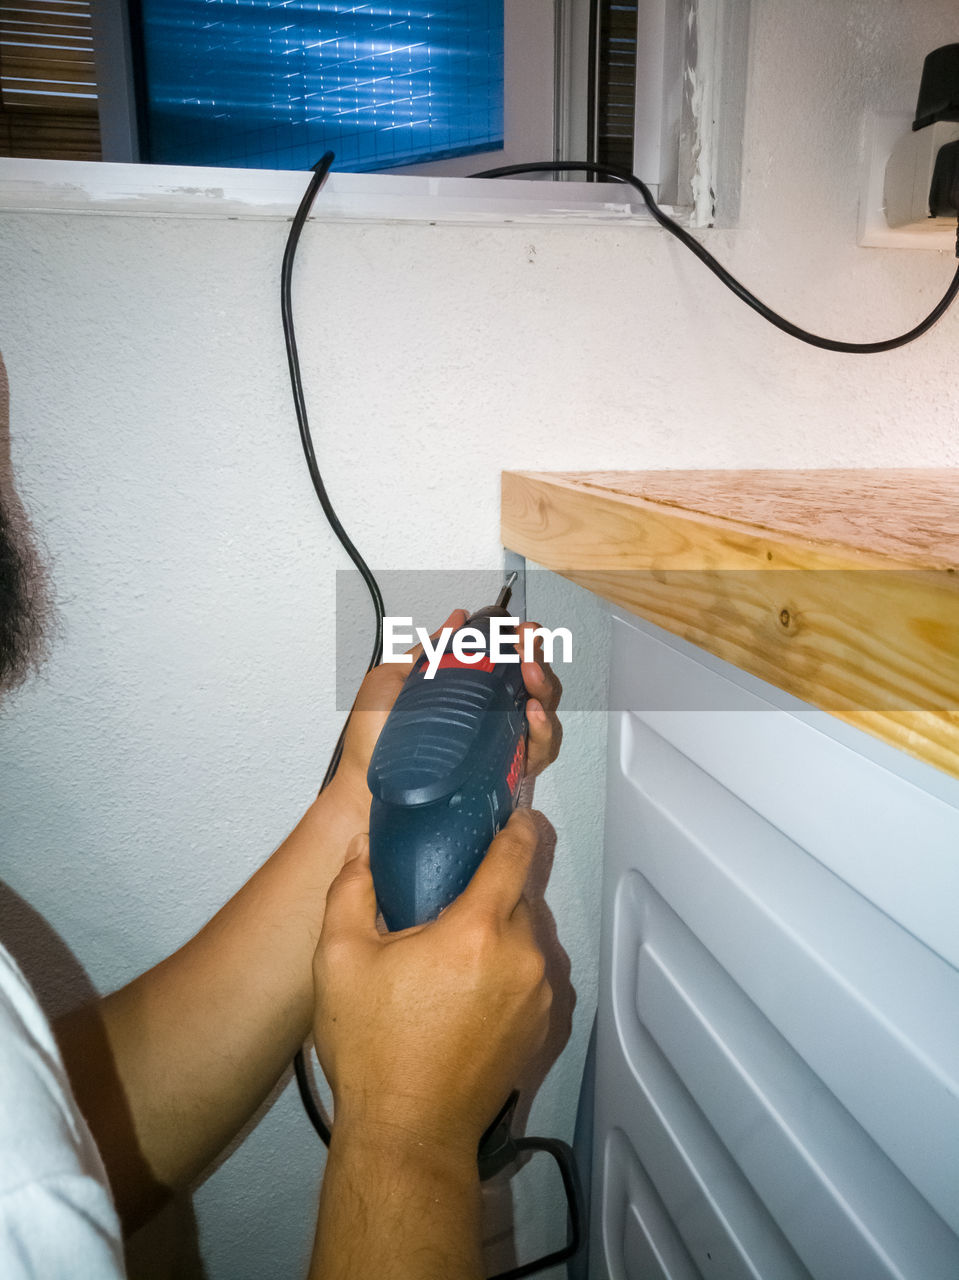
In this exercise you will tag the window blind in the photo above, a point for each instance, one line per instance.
(615, 81)
(274, 83)
(48, 89)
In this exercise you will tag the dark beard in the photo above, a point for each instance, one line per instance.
(22, 600)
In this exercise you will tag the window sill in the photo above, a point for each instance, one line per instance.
(68, 186)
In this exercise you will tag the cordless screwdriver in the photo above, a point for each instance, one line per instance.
(445, 774)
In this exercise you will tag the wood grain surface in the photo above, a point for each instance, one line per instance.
(840, 587)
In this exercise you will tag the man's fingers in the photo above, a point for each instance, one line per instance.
(545, 737)
(542, 683)
(351, 900)
(379, 689)
(544, 689)
(497, 886)
(540, 679)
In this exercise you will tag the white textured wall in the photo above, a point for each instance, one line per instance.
(186, 713)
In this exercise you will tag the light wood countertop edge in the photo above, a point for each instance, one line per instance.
(868, 638)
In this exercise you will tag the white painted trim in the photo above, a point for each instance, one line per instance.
(116, 93)
(660, 53)
(690, 104)
(68, 186)
(572, 79)
(714, 109)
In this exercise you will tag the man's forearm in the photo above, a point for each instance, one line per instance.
(397, 1209)
(167, 1069)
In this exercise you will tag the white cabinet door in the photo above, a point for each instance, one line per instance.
(777, 1086)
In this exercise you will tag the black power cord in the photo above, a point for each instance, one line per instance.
(320, 171)
(562, 1153)
(498, 1149)
(729, 280)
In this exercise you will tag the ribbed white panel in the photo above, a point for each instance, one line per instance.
(778, 1054)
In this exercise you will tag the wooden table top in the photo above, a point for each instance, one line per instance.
(841, 586)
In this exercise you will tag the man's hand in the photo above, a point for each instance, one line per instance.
(422, 1035)
(374, 700)
(425, 1032)
(544, 689)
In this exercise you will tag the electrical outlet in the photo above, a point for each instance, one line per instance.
(886, 135)
(909, 173)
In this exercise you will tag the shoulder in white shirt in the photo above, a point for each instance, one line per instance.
(56, 1216)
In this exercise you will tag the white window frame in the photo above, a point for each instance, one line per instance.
(86, 187)
(691, 79)
(116, 97)
(713, 54)
(690, 100)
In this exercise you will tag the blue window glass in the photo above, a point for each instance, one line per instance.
(275, 83)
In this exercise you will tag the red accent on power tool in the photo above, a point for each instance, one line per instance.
(450, 660)
(516, 768)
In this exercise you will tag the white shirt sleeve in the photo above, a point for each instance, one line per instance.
(57, 1219)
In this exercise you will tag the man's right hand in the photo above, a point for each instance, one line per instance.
(423, 1034)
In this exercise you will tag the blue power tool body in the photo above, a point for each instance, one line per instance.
(445, 776)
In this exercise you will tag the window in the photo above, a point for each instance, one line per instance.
(48, 90)
(612, 103)
(274, 83)
(657, 86)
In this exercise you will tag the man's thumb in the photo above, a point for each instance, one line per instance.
(351, 900)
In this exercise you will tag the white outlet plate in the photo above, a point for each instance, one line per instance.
(882, 134)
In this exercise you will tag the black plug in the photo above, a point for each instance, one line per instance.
(497, 1147)
(944, 188)
(939, 89)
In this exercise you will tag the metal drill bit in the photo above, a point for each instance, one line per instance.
(502, 600)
